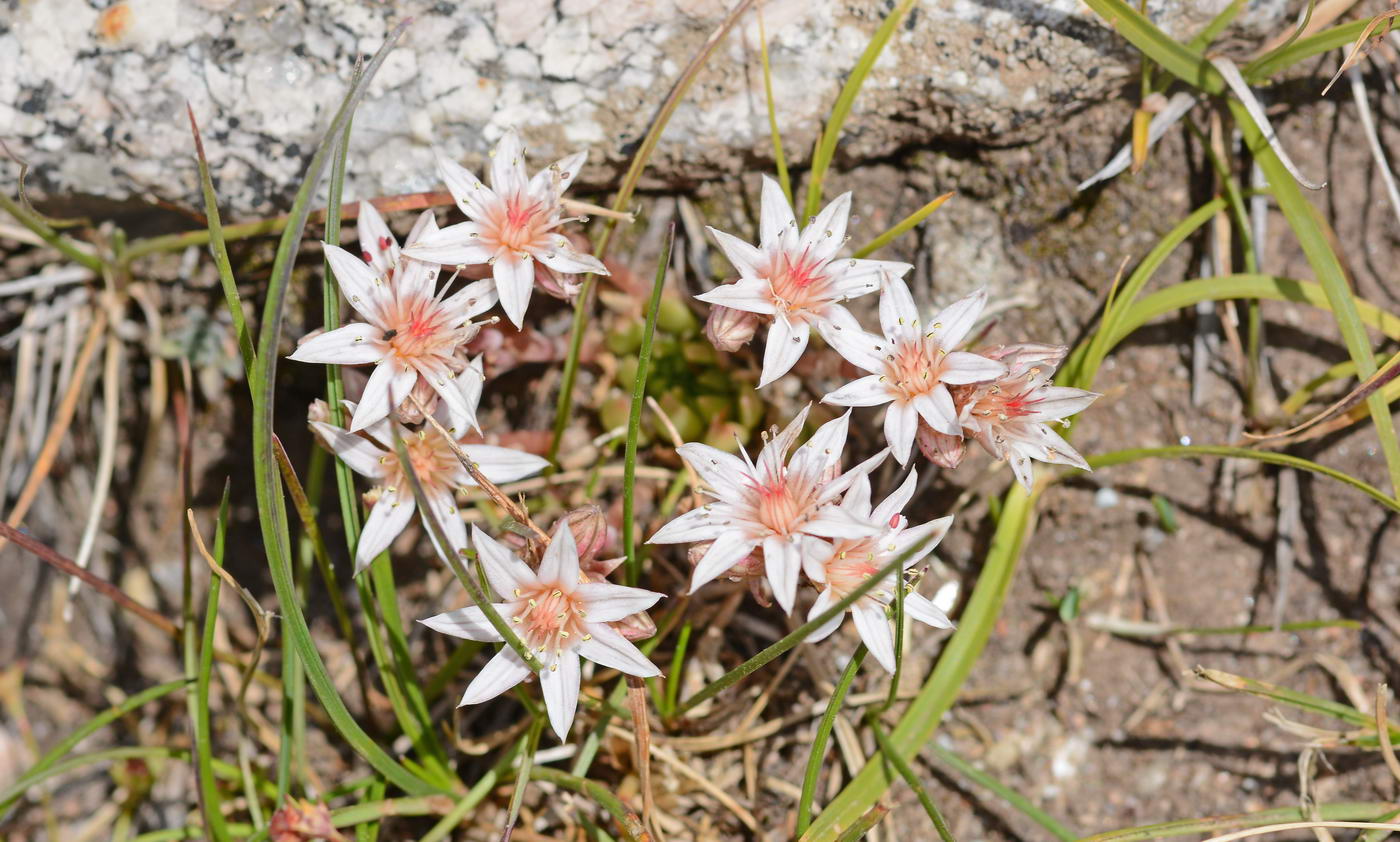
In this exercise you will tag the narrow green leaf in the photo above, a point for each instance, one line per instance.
(816, 755)
(889, 755)
(779, 158)
(204, 753)
(1002, 791)
(1266, 67)
(904, 225)
(1342, 811)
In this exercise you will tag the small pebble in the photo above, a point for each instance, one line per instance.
(1105, 498)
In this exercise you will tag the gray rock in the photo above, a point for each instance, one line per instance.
(94, 97)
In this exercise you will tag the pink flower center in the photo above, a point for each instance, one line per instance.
(851, 564)
(420, 331)
(522, 223)
(997, 403)
(547, 618)
(915, 367)
(432, 460)
(801, 283)
(782, 503)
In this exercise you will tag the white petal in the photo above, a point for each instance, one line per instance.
(499, 675)
(723, 472)
(550, 183)
(501, 464)
(515, 280)
(781, 563)
(752, 295)
(560, 562)
(611, 649)
(356, 451)
(559, 683)
(424, 224)
(388, 386)
(961, 367)
(390, 514)
(936, 408)
(922, 538)
(858, 347)
(749, 260)
(923, 610)
(899, 318)
(608, 603)
(450, 520)
(471, 300)
(563, 257)
(695, 525)
(857, 500)
(1057, 451)
(458, 403)
(454, 245)
(773, 455)
(895, 503)
(821, 606)
(786, 342)
(823, 449)
(836, 487)
(365, 291)
(824, 235)
(836, 522)
(469, 623)
(1055, 402)
(1023, 468)
(472, 197)
(377, 244)
(724, 553)
(460, 408)
(354, 344)
(858, 277)
(874, 628)
(867, 391)
(504, 572)
(508, 165)
(952, 325)
(901, 422)
(415, 281)
(775, 217)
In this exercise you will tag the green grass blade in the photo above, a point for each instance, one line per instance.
(563, 407)
(627, 821)
(634, 415)
(204, 754)
(817, 754)
(903, 226)
(826, 147)
(219, 249)
(921, 718)
(272, 515)
(1217, 24)
(779, 158)
(1266, 67)
(1292, 698)
(889, 755)
(1176, 58)
(1339, 812)
(1002, 791)
(78, 761)
(522, 778)
(1119, 457)
(45, 232)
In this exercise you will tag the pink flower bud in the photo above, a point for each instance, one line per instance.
(748, 569)
(590, 528)
(729, 329)
(940, 448)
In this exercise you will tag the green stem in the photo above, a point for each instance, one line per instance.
(817, 754)
(45, 232)
(889, 755)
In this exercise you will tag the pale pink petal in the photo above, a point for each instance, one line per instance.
(871, 390)
(855, 277)
(786, 342)
(752, 295)
(388, 386)
(1023, 468)
(781, 564)
(424, 224)
(416, 280)
(961, 367)
(469, 623)
(723, 554)
(1054, 449)
(356, 451)
(700, 524)
(499, 675)
(388, 517)
(471, 300)
(377, 244)
(504, 571)
(749, 260)
(951, 326)
(874, 628)
(936, 408)
(771, 457)
(559, 682)
(550, 183)
(608, 603)
(472, 197)
(515, 280)
(775, 218)
(560, 562)
(858, 347)
(815, 558)
(455, 245)
(899, 317)
(501, 464)
(1055, 402)
(820, 607)
(923, 610)
(610, 649)
(508, 165)
(564, 258)
(461, 411)
(895, 503)
(723, 472)
(354, 344)
(823, 236)
(365, 291)
(901, 423)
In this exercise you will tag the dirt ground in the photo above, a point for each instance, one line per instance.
(1100, 730)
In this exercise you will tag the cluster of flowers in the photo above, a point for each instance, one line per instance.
(774, 518)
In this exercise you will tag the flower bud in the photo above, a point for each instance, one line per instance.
(318, 411)
(590, 529)
(940, 448)
(748, 569)
(729, 329)
(639, 626)
(301, 821)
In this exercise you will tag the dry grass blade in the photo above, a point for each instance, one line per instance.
(106, 461)
(1279, 828)
(260, 614)
(1356, 396)
(1373, 139)
(1241, 90)
(637, 704)
(1383, 730)
(1163, 120)
(1323, 14)
(1359, 50)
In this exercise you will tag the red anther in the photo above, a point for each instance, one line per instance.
(384, 243)
(894, 521)
(369, 258)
